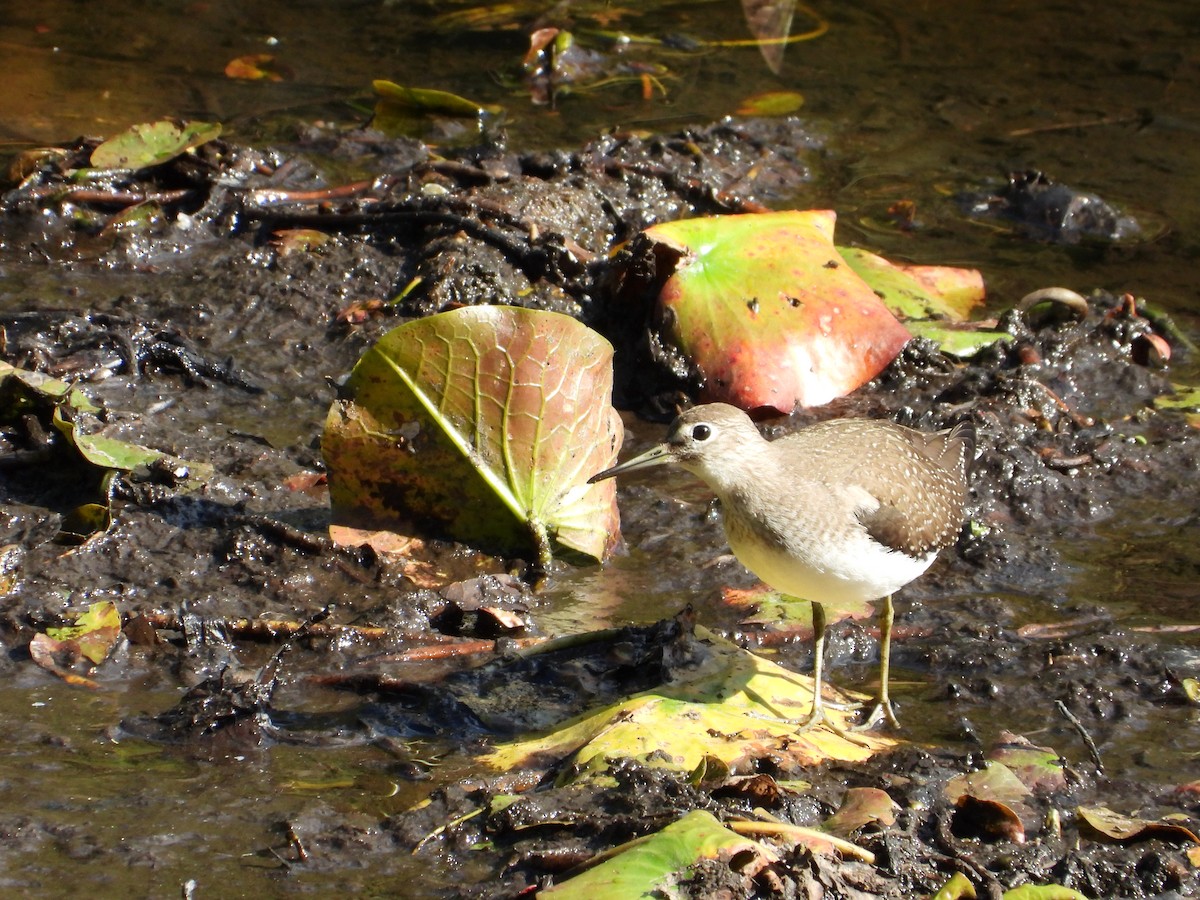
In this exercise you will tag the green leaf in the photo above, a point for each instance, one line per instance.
(650, 866)
(109, 453)
(957, 888)
(399, 107)
(24, 392)
(152, 143)
(1185, 399)
(918, 292)
(962, 340)
(21, 390)
(1044, 892)
(487, 422)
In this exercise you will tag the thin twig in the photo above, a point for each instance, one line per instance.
(1083, 734)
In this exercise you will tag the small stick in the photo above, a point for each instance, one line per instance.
(1083, 734)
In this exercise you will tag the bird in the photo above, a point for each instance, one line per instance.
(844, 510)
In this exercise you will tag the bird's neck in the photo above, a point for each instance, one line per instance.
(731, 475)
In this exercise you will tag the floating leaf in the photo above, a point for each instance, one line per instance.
(767, 311)
(152, 143)
(399, 106)
(485, 421)
(651, 866)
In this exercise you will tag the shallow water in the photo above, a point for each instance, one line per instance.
(918, 102)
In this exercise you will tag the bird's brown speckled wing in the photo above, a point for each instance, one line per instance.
(921, 497)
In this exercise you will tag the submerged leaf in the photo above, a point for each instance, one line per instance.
(771, 103)
(257, 67)
(152, 143)
(485, 421)
(768, 312)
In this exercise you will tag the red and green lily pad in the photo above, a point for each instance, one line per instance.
(767, 310)
(482, 424)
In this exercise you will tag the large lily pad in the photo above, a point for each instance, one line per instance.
(730, 705)
(767, 310)
(483, 423)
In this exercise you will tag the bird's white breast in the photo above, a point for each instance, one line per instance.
(849, 570)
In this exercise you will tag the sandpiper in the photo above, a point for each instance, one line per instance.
(844, 510)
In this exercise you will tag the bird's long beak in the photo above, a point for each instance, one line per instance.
(658, 456)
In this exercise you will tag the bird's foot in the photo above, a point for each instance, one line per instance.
(818, 718)
(883, 712)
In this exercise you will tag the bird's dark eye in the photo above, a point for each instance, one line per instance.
(701, 433)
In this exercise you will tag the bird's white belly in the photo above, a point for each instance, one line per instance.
(832, 572)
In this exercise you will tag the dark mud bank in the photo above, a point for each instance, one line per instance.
(203, 330)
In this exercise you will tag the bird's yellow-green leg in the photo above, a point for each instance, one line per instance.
(817, 715)
(883, 707)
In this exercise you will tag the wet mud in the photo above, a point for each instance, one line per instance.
(203, 332)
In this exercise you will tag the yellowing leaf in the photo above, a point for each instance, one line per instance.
(483, 423)
(730, 705)
(96, 630)
(647, 867)
(918, 292)
(152, 143)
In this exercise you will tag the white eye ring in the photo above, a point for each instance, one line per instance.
(701, 432)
